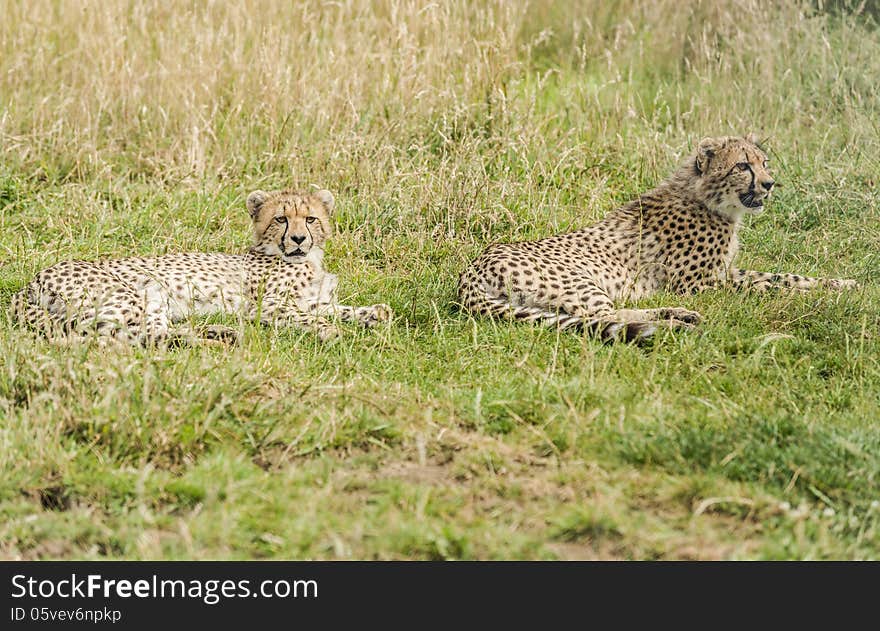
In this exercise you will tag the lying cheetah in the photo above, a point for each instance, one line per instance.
(281, 280)
(679, 237)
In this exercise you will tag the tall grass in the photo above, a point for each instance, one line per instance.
(153, 90)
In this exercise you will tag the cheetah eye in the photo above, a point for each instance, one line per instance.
(765, 164)
(281, 219)
(310, 219)
(743, 166)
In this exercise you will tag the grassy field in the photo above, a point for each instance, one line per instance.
(140, 127)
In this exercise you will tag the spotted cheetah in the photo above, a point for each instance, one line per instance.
(679, 237)
(280, 281)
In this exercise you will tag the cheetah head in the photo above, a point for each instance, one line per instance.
(732, 174)
(290, 224)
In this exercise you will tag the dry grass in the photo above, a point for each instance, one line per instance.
(153, 90)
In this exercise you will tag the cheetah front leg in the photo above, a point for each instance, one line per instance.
(368, 316)
(763, 281)
(678, 314)
(275, 315)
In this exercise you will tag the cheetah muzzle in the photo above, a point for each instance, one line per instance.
(750, 201)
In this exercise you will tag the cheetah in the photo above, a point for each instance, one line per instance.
(281, 280)
(680, 237)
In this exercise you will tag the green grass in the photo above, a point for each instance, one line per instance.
(439, 131)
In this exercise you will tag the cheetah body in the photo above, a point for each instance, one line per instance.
(141, 299)
(680, 237)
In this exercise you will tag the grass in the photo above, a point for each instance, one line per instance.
(140, 128)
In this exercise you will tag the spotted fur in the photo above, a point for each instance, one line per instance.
(280, 281)
(679, 237)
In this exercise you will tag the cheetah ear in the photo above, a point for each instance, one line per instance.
(705, 152)
(752, 138)
(255, 201)
(326, 197)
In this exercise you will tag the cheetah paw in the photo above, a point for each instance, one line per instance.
(647, 330)
(376, 314)
(839, 284)
(329, 333)
(681, 325)
(219, 333)
(681, 315)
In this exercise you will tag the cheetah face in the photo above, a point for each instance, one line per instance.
(289, 224)
(734, 175)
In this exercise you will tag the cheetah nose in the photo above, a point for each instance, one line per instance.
(768, 184)
(297, 239)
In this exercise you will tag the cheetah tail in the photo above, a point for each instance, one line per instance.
(24, 309)
(498, 307)
(18, 306)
